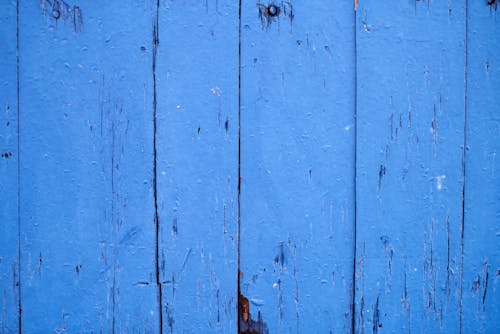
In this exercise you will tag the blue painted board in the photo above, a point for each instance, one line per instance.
(410, 108)
(197, 163)
(481, 266)
(9, 160)
(297, 166)
(87, 209)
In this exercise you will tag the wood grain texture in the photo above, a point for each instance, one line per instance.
(197, 164)
(297, 165)
(481, 267)
(411, 61)
(87, 200)
(9, 160)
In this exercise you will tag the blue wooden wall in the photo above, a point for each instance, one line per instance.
(217, 166)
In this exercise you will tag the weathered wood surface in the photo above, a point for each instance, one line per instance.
(9, 160)
(197, 164)
(297, 165)
(87, 209)
(481, 231)
(281, 167)
(410, 107)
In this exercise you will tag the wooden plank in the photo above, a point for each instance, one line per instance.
(410, 108)
(88, 259)
(9, 160)
(197, 163)
(481, 294)
(297, 166)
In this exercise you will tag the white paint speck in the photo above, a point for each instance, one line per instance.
(348, 127)
(216, 91)
(439, 181)
(178, 106)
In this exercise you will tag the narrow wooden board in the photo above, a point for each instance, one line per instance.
(197, 164)
(410, 108)
(88, 260)
(481, 267)
(9, 162)
(297, 166)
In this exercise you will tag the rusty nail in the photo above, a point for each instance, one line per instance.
(272, 10)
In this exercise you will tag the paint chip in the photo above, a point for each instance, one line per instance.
(216, 91)
(439, 181)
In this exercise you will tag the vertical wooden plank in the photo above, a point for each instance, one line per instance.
(9, 159)
(481, 267)
(297, 166)
(197, 163)
(410, 57)
(88, 233)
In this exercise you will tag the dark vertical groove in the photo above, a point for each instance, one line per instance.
(113, 294)
(239, 170)
(18, 174)
(353, 301)
(155, 172)
(466, 42)
(114, 229)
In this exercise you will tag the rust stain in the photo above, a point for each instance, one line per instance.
(246, 324)
(244, 308)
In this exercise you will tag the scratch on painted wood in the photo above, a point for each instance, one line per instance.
(480, 286)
